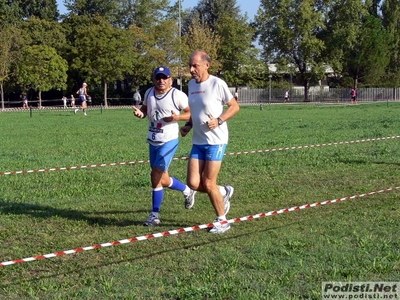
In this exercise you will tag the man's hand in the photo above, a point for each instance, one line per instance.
(171, 118)
(212, 123)
(137, 112)
(185, 130)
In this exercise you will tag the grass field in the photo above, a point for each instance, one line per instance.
(286, 256)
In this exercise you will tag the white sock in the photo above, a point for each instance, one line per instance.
(221, 218)
(187, 191)
(222, 190)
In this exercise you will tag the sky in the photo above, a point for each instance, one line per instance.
(249, 6)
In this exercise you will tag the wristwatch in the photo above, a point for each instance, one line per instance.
(220, 121)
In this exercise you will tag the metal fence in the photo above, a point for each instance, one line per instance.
(251, 96)
(317, 94)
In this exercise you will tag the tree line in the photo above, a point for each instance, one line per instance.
(118, 43)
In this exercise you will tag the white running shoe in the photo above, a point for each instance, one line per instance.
(189, 199)
(76, 110)
(153, 220)
(227, 198)
(220, 228)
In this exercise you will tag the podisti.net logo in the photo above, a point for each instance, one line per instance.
(360, 290)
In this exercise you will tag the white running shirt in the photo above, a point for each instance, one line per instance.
(208, 97)
(160, 106)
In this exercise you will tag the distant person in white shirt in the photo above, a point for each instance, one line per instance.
(82, 97)
(64, 99)
(287, 96)
(137, 98)
(72, 101)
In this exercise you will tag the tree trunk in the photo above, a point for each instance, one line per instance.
(2, 95)
(306, 99)
(105, 95)
(40, 98)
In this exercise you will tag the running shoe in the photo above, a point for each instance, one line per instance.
(227, 198)
(189, 199)
(153, 220)
(220, 228)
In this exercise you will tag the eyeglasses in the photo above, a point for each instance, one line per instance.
(159, 77)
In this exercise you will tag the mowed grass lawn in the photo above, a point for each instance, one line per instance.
(286, 256)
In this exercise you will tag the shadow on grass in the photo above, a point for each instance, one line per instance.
(41, 211)
(44, 212)
(363, 162)
(386, 163)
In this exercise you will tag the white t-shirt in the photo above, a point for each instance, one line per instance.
(208, 97)
(160, 106)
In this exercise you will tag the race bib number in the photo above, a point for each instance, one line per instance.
(155, 134)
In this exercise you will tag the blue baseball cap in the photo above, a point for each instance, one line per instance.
(162, 70)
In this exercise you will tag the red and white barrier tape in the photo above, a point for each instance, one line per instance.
(185, 157)
(189, 229)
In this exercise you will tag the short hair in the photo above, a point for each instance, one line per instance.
(204, 55)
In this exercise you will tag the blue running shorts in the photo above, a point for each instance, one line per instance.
(161, 155)
(208, 152)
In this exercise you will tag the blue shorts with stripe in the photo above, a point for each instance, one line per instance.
(208, 152)
(162, 155)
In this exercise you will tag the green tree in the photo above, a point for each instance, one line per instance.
(208, 12)
(288, 33)
(123, 13)
(236, 55)
(43, 32)
(71, 24)
(391, 22)
(152, 40)
(41, 69)
(165, 44)
(43, 9)
(159, 46)
(142, 44)
(236, 52)
(357, 45)
(200, 37)
(102, 53)
(144, 14)
(105, 8)
(370, 57)
(10, 44)
(373, 7)
(343, 21)
(10, 13)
